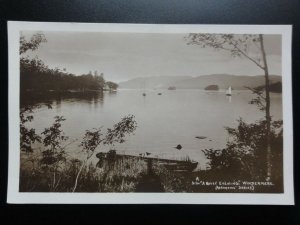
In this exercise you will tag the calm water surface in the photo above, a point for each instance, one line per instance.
(164, 121)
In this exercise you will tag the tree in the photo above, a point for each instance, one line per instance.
(90, 142)
(54, 153)
(53, 140)
(112, 85)
(27, 136)
(35, 75)
(93, 138)
(30, 67)
(243, 46)
(33, 44)
(127, 125)
(100, 80)
(243, 157)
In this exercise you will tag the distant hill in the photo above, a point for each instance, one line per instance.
(223, 81)
(152, 82)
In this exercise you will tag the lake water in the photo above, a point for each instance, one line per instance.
(164, 121)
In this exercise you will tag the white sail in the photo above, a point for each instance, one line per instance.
(228, 92)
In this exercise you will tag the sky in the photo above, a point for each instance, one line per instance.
(123, 56)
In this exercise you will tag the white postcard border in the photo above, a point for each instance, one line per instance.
(13, 194)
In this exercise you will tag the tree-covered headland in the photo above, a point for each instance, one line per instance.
(35, 75)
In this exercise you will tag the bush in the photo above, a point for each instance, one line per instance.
(122, 177)
(245, 154)
(51, 170)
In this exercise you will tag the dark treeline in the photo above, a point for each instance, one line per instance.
(36, 76)
(31, 98)
(276, 87)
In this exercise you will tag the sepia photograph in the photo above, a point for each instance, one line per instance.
(150, 109)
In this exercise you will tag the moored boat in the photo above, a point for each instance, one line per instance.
(180, 166)
(169, 164)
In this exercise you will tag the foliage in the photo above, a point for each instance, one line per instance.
(33, 44)
(276, 87)
(116, 135)
(250, 46)
(237, 44)
(53, 141)
(123, 177)
(260, 99)
(53, 171)
(53, 158)
(91, 141)
(172, 181)
(38, 77)
(244, 156)
(273, 87)
(53, 154)
(112, 85)
(27, 136)
(35, 75)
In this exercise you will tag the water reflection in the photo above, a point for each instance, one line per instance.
(58, 104)
(229, 98)
(93, 98)
(112, 93)
(175, 117)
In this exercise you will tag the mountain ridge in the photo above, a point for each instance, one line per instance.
(237, 82)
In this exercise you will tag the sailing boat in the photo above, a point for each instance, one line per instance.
(228, 92)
